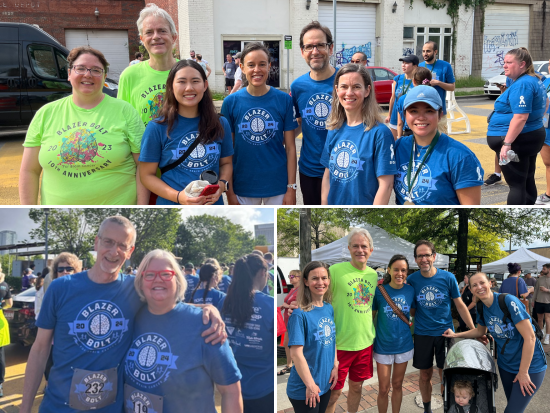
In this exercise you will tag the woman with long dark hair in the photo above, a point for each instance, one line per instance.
(249, 318)
(188, 113)
(205, 292)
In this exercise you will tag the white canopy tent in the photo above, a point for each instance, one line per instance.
(528, 260)
(386, 245)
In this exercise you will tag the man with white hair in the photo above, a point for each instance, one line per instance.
(353, 285)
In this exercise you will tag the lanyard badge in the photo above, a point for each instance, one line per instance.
(410, 184)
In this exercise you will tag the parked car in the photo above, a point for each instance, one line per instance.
(33, 72)
(493, 91)
(383, 80)
(21, 318)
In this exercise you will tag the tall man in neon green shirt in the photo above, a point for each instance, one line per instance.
(353, 285)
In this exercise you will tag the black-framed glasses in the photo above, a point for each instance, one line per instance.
(321, 47)
(421, 257)
(109, 243)
(165, 275)
(81, 70)
(62, 269)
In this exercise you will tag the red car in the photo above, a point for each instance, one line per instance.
(383, 79)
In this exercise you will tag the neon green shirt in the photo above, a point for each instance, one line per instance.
(143, 88)
(352, 296)
(86, 154)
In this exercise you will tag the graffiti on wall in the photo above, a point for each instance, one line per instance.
(408, 51)
(494, 49)
(502, 41)
(345, 54)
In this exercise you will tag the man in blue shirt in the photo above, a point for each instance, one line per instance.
(434, 290)
(312, 99)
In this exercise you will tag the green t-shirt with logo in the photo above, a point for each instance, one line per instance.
(352, 296)
(143, 88)
(86, 154)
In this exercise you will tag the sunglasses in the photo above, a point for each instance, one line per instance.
(68, 269)
(293, 276)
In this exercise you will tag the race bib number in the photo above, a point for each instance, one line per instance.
(92, 390)
(138, 401)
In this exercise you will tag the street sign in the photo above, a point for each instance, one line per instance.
(288, 42)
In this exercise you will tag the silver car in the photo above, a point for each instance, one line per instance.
(493, 91)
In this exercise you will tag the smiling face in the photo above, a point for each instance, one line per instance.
(318, 283)
(351, 91)
(359, 250)
(316, 59)
(422, 119)
(256, 67)
(159, 291)
(86, 84)
(512, 68)
(111, 259)
(480, 286)
(189, 87)
(398, 272)
(424, 258)
(156, 36)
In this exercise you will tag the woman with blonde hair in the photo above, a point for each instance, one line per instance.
(312, 342)
(358, 154)
(290, 300)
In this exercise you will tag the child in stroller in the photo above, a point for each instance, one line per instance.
(464, 393)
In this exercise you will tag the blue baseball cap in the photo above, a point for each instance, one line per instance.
(426, 94)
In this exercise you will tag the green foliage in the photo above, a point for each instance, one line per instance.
(37, 257)
(144, 52)
(88, 260)
(470, 93)
(13, 282)
(218, 96)
(485, 243)
(469, 81)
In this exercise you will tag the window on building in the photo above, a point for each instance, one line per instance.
(408, 32)
(439, 35)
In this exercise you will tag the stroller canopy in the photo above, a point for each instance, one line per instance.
(470, 354)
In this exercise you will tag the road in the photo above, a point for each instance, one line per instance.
(476, 108)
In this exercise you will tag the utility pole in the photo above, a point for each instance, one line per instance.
(305, 237)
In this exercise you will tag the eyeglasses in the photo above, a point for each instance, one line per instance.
(81, 70)
(165, 275)
(321, 47)
(109, 243)
(421, 257)
(68, 269)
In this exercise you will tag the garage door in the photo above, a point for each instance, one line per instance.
(112, 43)
(356, 29)
(506, 27)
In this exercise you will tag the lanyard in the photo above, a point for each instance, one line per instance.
(424, 160)
(433, 66)
(403, 90)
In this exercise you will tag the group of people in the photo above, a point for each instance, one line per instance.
(332, 334)
(116, 348)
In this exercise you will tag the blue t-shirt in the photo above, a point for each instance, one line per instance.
(224, 284)
(525, 95)
(509, 286)
(451, 166)
(393, 336)
(254, 348)
(510, 81)
(433, 302)
(492, 319)
(192, 281)
(259, 123)
(355, 160)
(93, 326)
(402, 87)
(157, 147)
(312, 101)
(169, 358)
(400, 108)
(212, 297)
(442, 71)
(316, 332)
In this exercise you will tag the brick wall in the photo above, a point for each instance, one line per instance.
(54, 16)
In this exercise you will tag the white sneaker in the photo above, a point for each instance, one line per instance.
(546, 339)
(543, 199)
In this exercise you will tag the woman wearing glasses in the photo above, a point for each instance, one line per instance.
(163, 360)
(86, 146)
(290, 300)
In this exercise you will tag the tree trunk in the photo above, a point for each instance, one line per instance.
(305, 237)
(462, 244)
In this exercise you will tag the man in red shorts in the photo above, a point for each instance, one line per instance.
(353, 285)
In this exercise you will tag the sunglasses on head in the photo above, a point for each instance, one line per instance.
(68, 269)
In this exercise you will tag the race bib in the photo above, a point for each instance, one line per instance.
(137, 401)
(91, 390)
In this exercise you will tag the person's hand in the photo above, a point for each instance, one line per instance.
(503, 152)
(501, 87)
(290, 197)
(525, 384)
(186, 200)
(435, 82)
(292, 307)
(387, 120)
(312, 395)
(449, 333)
(216, 332)
(333, 376)
(294, 304)
(483, 340)
(212, 199)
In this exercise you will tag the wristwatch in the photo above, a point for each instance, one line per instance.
(226, 184)
(293, 186)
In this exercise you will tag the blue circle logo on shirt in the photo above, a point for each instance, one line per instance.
(500, 330)
(401, 304)
(430, 297)
(317, 110)
(326, 332)
(200, 158)
(344, 161)
(422, 186)
(149, 360)
(99, 326)
(258, 126)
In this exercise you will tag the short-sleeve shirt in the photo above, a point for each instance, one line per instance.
(212, 297)
(402, 87)
(203, 65)
(316, 332)
(433, 302)
(192, 281)
(530, 282)
(86, 154)
(259, 123)
(253, 347)
(355, 159)
(312, 101)
(5, 293)
(393, 336)
(168, 357)
(525, 95)
(352, 298)
(492, 319)
(224, 284)
(143, 87)
(230, 68)
(400, 108)
(157, 147)
(92, 328)
(451, 166)
(509, 286)
(442, 71)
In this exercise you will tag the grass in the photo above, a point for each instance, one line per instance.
(281, 361)
(218, 96)
(469, 81)
(473, 92)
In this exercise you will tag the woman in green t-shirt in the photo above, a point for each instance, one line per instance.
(86, 146)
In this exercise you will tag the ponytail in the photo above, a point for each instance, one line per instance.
(207, 272)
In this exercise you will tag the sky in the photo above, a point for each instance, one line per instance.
(17, 219)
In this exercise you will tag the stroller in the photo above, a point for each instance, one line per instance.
(470, 360)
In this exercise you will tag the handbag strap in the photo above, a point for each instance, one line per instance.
(517, 291)
(395, 309)
(182, 158)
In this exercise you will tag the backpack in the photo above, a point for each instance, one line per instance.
(504, 308)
